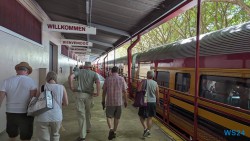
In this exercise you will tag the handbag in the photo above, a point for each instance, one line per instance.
(141, 97)
(41, 104)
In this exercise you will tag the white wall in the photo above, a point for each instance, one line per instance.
(15, 48)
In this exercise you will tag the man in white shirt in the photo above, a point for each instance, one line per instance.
(18, 91)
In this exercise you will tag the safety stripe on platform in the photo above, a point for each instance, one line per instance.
(167, 131)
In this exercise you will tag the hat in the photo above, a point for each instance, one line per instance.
(24, 64)
(87, 64)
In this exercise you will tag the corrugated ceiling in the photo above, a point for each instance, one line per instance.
(117, 21)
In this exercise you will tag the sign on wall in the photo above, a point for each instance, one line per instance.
(83, 57)
(68, 27)
(80, 49)
(70, 42)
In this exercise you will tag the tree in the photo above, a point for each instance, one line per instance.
(216, 14)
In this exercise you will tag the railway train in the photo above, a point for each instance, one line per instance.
(224, 83)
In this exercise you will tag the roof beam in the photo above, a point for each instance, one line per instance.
(94, 54)
(98, 50)
(101, 27)
(80, 51)
(111, 30)
(101, 43)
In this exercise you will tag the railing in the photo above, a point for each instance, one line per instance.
(167, 94)
(141, 77)
(225, 105)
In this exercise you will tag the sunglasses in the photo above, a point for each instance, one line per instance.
(23, 68)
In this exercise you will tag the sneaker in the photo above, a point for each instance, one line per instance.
(146, 133)
(149, 135)
(80, 139)
(111, 135)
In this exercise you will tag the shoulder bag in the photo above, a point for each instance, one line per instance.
(41, 104)
(141, 97)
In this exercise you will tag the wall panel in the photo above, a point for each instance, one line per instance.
(16, 18)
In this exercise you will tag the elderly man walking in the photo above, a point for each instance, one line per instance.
(18, 90)
(84, 94)
(152, 93)
(114, 88)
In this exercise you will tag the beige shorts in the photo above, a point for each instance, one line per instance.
(114, 112)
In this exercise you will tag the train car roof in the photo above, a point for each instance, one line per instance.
(234, 39)
(122, 60)
(117, 21)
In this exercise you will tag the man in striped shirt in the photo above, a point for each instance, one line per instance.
(114, 90)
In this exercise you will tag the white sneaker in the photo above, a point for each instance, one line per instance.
(146, 133)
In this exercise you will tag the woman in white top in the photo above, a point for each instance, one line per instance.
(48, 123)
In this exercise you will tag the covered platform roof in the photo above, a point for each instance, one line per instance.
(116, 21)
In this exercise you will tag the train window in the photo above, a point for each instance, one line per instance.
(182, 82)
(233, 91)
(143, 69)
(163, 78)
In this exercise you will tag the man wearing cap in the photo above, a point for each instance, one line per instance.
(84, 93)
(18, 90)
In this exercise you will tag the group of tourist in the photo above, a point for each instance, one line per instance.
(19, 89)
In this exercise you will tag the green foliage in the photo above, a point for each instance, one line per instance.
(215, 15)
(247, 2)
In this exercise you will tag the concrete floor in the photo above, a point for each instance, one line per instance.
(129, 129)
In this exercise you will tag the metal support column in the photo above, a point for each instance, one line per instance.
(114, 56)
(129, 53)
(107, 64)
(97, 67)
(155, 70)
(197, 64)
(104, 68)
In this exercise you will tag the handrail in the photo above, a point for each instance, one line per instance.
(225, 105)
(209, 107)
(224, 113)
(183, 99)
(133, 78)
(211, 101)
(183, 93)
(168, 105)
(142, 76)
(213, 109)
(168, 93)
(204, 99)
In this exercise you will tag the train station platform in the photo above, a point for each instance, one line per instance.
(129, 129)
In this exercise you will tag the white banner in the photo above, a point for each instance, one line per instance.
(80, 49)
(83, 55)
(80, 52)
(70, 42)
(68, 27)
(84, 58)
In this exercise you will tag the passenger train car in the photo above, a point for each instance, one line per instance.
(224, 83)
